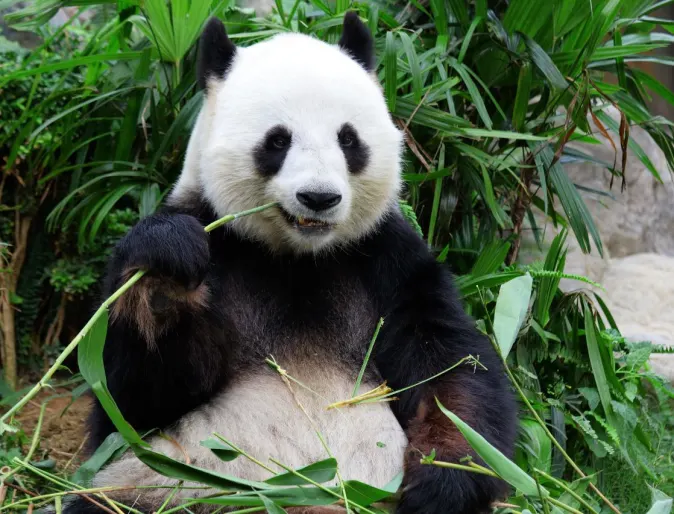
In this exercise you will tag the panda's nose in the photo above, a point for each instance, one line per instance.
(318, 201)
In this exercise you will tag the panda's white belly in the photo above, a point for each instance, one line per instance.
(261, 415)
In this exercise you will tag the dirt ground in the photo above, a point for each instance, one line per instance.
(63, 427)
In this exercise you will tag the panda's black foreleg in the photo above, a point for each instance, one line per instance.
(157, 369)
(428, 332)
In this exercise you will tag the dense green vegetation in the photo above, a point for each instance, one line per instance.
(94, 127)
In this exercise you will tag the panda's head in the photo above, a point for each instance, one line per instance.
(297, 121)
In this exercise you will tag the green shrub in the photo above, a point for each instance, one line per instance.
(489, 94)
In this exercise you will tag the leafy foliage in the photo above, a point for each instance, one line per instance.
(489, 94)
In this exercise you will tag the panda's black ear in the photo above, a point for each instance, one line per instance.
(357, 41)
(216, 52)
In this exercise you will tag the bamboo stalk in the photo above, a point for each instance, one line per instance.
(103, 308)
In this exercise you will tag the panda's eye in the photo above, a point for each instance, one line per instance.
(347, 137)
(280, 142)
(347, 140)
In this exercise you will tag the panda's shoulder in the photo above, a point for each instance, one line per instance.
(192, 203)
(399, 254)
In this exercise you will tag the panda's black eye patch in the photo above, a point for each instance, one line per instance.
(355, 151)
(270, 153)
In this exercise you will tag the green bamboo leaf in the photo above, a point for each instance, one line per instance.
(472, 91)
(429, 117)
(221, 449)
(544, 63)
(547, 288)
(439, 9)
(469, 285)
(499, 134)
(597, 365)
(458, 8)
(111, 200)
(522, 97)
(322, 471)
(175, 469)
(110, 407)
(539, 444)
(391, 71)
(112, 445)
(490, 199)
(413, 63)
(159, 20)
(272, 508)
(576, 211)
(465, 44)
(90, 351)
(528, 16)
(504, 467)
(511, 309)
(70, 63)
(283, 496)
(365, 494)
(607, 53)
(490, 258)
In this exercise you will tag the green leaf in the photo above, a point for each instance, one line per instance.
(272, 508)
(591, 395)
(504, 467)
(538, 444)
(68, 64)
(469, 285)
(576, 211)
(472, 91)
(511, 310)
(528, 16)
(597, 364)
(413, 62)
(660, 502)
(391, 71)
(322, 471)
(113, 444)
(175, 469)
(490, 258)
(545, 64)
(522, 97)
(90, 351)
(221, 449)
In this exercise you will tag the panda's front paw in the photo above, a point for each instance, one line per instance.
(429, 489)
(170, 246)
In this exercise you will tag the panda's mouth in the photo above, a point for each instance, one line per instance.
(305, 224)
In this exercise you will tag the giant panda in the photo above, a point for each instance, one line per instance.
(303, 123)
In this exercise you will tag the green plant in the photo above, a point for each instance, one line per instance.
(489, 94)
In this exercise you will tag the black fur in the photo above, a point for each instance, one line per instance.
(425, 332)
(356, 152)
(216, 52)
(357, 40)
(270, 153)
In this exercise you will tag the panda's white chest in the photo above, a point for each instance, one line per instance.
(269, 418)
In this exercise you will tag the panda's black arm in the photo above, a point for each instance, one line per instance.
(156, 369)
(425, 332)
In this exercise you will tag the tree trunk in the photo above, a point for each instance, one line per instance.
(9, 278)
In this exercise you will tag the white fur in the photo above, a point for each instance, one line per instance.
(312, 88)
(260, 415)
